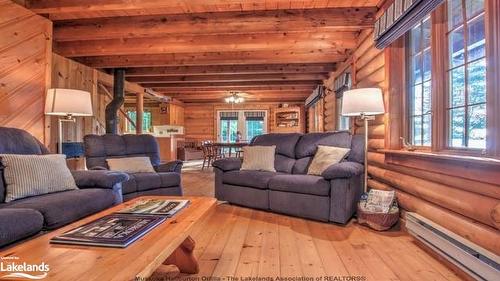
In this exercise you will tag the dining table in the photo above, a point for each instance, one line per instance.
(230, 145)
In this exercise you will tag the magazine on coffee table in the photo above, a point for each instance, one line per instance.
(115, 230)
(158, 207)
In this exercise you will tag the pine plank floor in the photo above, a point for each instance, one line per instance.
(241, 242)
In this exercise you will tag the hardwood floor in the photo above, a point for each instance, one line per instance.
(242, 242)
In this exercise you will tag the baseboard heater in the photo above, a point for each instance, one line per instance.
(478, 262)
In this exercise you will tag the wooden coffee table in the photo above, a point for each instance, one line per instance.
(168, 243)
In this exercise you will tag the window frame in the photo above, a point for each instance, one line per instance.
(409, 84)
(440, 84)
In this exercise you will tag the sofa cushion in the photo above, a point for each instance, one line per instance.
(31, 175)
(170, 179)
(65, 207)
(129, 186)
(301, 165)
(255, 179)
(16, 224)
(326, 156)
(284, 164)
(304, 184)
(259, 158)
(147, 181)
(308, 143)
(131, 164)
(285, 143)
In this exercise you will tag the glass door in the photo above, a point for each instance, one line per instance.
(228, 130)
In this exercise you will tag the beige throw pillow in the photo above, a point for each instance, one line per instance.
(31, 175)
(326, 156)
(259, 158)
(131, 164)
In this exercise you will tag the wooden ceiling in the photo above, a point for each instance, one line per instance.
(199, 50)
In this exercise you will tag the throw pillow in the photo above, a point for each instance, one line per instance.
(31, 175)
(258, 158)
(131, 164)
(326, 156)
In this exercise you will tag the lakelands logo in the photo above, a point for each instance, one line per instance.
(11, 267)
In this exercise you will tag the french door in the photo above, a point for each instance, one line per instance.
(246, 123)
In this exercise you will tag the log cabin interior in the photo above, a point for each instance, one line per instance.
(314, 139)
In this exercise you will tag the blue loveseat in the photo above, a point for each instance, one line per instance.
(329, 197)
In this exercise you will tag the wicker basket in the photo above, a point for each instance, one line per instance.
(378, 221)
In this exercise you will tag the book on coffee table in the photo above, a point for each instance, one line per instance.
(158, 207)
(114, 230)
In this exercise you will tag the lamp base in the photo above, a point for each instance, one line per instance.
(66, 118)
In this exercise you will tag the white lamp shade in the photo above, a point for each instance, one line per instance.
(64, 102)
(364, 101)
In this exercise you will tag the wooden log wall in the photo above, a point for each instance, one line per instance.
(459, 193)
(70, 74)
(25, 58)
(200, 118)
(67, 73)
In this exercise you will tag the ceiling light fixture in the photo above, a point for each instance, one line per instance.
(234, 98)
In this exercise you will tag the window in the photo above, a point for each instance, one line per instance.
(147, 121)
(343, 122)
(446, 89)
(466, 105)
(419, 98)
(342, 83)
(255, 127)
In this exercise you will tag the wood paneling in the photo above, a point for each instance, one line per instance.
(25, 58)
(67, 73)
(200, 118)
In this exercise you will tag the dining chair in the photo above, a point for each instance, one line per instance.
(206, 147)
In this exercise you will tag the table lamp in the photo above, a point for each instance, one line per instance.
(364, 103)
(68, 104)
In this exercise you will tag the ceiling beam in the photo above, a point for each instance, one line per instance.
(327, 42)
(213, 58)
(228, 78)
(217, 85)
(231, 69)
(72, 6)
(311, 20)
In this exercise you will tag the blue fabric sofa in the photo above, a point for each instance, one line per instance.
(329, 197)
(19, 219)
(165, 181)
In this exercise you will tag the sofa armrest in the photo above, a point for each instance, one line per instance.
(227, 164)
(98, 178)
(170, 167)
(345, 169)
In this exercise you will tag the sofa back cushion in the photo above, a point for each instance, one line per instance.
(308, 144)
(285, 149)
(17, 141)
(100, 148)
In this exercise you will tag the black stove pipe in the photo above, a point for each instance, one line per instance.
(118, 100)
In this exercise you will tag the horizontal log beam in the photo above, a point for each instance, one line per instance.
(478, 233)
(72, 6)
(311, 20)
(229, 78)
(327, 42)
(212, 58)
(466, 203)
(309, 84)
(238, 88)
(231, 69)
